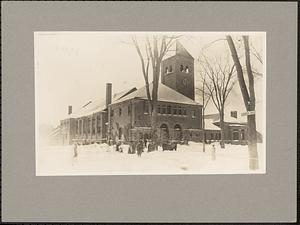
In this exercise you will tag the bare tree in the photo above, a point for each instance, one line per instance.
(219, 83)
(248, 97)
(206, 96)
(152, 52)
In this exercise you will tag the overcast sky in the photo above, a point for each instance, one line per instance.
(72, 68)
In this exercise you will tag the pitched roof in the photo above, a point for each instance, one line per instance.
(209, 125)
(94, 106)
(227, 118)
(165, 94)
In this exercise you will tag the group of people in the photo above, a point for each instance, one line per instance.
(137, 146)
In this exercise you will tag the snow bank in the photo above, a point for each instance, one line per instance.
(101, 159)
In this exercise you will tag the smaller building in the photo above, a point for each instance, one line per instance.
(235, 128)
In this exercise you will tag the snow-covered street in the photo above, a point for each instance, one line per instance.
(104, 160)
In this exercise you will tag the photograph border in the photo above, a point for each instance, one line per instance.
(269, 197)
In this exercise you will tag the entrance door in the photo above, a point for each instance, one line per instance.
(164, 132)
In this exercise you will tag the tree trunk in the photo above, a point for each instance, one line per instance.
(252, 143)
(203, 134)
(156, 73)
(249, 100)
(222, 126)
(203, 121)
(252, 135)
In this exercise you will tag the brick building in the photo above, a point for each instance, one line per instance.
(126, 114)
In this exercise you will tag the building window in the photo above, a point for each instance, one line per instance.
(193, 114)
(184, 112)
(170, 69)
(235, 135)
(242, 134)
(168, 109)
(233, 114)
(181, 68)
(166, 70)
(93, 125)
(129, 109)
(211, 136)
(158, 109)
(187, 69)
(175, 110)
(111, 112)
(179, 111)
(146, 107)
(80, 126)
(120, 111)
(163, 109)
(98, 124)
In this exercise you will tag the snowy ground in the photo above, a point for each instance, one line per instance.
(104, 160)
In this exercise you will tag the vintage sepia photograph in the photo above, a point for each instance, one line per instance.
(150, 103)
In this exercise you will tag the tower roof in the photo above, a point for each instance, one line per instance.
(180, 50)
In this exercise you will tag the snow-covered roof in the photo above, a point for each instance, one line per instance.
(94, 106)
(165, 94)
(89, 108)
(227, 118)
(209, 125)
(55, 131)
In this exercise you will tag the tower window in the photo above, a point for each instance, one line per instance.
(181, 68)
(166, 70)
(170, 69)
(120, 111)
(187, 69)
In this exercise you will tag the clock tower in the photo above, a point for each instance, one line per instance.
(177, 72)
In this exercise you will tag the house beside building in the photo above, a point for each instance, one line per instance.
(235, 128)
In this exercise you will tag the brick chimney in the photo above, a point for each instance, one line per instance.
(108, 93)
(69, 109)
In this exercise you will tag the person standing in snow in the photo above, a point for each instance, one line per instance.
(140, 147)
(75, 150)
(213, 152)
(117, 143)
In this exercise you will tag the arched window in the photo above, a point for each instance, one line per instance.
(181, 68)
(166, 70)
(186, 69)
(170, 69)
